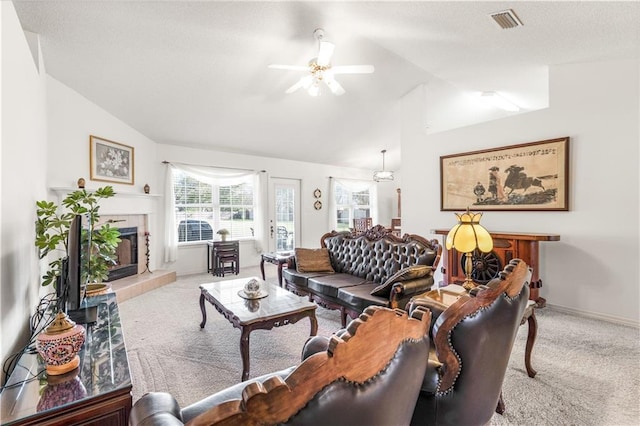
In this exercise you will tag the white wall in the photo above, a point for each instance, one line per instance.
(72, 119)
(192, 258)
(23, 152)
(593, 268)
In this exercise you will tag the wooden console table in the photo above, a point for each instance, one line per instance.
(506, 246)
(97, 393)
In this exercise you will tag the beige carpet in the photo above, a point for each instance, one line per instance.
(588, 370)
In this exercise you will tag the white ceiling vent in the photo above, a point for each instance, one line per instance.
(507, 19)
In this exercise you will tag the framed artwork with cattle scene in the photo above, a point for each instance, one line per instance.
(528, 176)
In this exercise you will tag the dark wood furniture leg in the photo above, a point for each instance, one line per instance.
(204, 311)
(531, 338)
(262, 268)
(244, 351)
(500, 408)
(280, 265)
(314, 324)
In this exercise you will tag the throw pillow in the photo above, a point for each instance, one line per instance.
(406, 274)
(313, 260)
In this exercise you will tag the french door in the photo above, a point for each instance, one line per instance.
(284, 214)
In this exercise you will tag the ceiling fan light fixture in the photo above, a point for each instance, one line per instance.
(383, 175)
(320, 69)
(499, 101)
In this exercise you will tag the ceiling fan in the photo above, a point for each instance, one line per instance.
(321, 70)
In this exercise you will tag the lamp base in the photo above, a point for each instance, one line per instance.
(468, 284)
(468, 270)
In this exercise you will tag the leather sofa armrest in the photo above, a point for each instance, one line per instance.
(317, 344)
(314, 345)
(407, 288)
(155, 408)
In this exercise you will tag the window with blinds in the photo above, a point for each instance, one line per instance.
(351, 205)
(202, 210)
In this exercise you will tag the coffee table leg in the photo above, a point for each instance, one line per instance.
(314, 324)
(262, 267)
(204, 311)
(244, 352)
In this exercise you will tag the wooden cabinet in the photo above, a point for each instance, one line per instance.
(506, 246)
(97, 393)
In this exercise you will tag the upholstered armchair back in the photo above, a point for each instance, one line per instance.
(473, 340)
(377, 254)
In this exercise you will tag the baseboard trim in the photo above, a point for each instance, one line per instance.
(595, 315)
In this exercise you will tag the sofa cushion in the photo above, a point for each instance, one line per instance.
(359, 297)
(313, 260)
(328, 285)
(299, 279)
(410, 273)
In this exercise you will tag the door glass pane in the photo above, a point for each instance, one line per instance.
(285, 218)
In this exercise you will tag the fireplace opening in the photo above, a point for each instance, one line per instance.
(126, 255)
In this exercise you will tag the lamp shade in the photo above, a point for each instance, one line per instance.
(469, 235)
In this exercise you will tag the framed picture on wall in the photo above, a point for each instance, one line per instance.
(529, 176)
(111, 161)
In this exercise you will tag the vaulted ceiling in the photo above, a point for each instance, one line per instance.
(195, 73)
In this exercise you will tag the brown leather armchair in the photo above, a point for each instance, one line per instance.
(370, 373)
(472, 340)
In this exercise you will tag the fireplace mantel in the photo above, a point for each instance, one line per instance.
(63, 191)
(122, 203)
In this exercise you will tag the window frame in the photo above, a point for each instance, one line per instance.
(215, 208)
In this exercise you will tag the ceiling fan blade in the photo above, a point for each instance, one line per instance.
(333, 85)
(288, 67)
(324, 53)
(305, 82)
(353, 69)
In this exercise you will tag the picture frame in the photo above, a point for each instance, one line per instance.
(111, 161)
(529, 176)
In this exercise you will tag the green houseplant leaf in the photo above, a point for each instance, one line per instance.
(52, 230)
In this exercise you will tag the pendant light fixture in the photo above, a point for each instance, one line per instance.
(383, 175)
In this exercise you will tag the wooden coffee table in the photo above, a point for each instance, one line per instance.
(280, 307)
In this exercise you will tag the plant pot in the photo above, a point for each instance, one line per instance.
(59, 344)
(223, 237)
(95, 289)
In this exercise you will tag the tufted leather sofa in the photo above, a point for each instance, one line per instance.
(364, 262)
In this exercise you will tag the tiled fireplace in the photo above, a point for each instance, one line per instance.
(130, 253)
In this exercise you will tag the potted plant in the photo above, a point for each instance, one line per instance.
(223, 234)
(52, 229)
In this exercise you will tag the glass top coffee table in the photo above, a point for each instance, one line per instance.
(279, 307)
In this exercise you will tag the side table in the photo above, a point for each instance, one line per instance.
(280, 259)
(222, 257)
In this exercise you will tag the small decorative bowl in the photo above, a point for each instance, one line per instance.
(252, 288)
